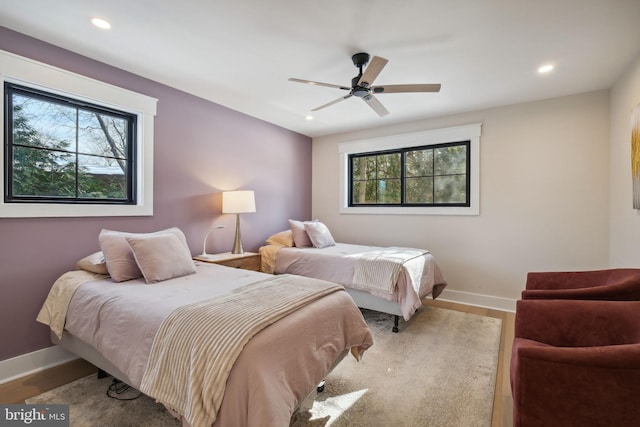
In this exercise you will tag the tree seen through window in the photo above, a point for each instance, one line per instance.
(435, 175)
(64, 150)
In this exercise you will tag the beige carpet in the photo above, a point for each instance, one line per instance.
(439, 371)
(89, 406)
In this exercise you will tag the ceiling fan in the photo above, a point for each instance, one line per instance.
(361, 84)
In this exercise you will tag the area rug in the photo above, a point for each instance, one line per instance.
(89, 405)
(439, 370)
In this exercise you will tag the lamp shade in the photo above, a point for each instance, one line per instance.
(238, 201)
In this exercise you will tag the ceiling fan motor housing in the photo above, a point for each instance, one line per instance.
(357, 90)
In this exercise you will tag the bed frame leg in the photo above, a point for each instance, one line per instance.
(102, 374)
(396, 319)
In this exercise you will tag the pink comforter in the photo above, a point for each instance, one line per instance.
(275, 370)
(338, 263)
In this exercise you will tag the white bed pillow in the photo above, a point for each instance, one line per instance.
(95, 263)
(283, 238)
(161, 256)
(300, 237)
(120, 261)
(319, 234)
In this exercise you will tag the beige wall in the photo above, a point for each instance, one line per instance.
(544, 197)
(625, 221)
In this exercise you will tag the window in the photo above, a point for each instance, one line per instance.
(434, 175)
(61, 150)
(72, 146)
(435, 172)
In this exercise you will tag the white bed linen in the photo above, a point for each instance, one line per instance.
(338, 263)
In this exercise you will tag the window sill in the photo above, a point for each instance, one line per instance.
(398, 210)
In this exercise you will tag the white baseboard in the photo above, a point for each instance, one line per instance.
(478, 300)
(36, 361)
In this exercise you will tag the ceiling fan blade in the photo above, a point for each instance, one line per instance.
(406, 88)
(319, 84)
(376, 105)
(342, 98)
(373, 69)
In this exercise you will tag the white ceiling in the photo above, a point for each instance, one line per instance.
(240, 53)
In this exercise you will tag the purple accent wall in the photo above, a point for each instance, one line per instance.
(201, 149)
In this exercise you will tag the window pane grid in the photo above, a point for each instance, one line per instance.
(65, 151)
(436, 175)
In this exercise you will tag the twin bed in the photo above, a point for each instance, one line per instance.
(391, 280)
(217, 346)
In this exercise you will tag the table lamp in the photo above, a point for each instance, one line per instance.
(237, 202)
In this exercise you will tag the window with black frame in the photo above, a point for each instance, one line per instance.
(64, 150)
(431, 175)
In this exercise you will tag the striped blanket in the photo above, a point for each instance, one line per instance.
(197, 345)
(380, 269)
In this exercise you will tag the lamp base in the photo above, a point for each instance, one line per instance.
(237, 244)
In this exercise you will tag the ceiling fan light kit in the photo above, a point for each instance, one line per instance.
(361, 85)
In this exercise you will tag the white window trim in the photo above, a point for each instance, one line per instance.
(439, 136)
(27, 72)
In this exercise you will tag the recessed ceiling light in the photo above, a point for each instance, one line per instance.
(101, 23)
(309, 117)
(547, 68)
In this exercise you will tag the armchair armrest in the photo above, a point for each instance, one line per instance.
(617, 284)
(575, 323)
(566, 279)
(626, 290)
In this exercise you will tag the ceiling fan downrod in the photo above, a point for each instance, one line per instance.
(359, 60)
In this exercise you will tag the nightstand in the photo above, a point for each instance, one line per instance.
(247, 260)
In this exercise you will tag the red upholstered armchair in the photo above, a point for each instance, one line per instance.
(620, 284)
(576, 363)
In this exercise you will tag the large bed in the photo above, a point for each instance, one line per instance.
(166, 338)
(391, 280)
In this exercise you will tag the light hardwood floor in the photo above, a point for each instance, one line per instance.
(31, 385)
